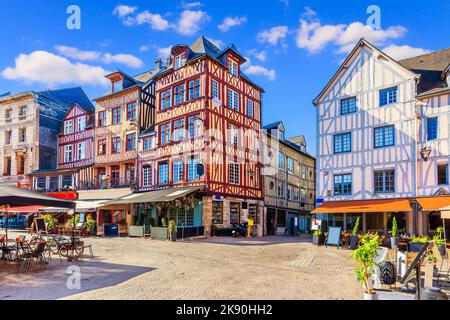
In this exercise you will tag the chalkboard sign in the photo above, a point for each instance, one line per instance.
(334, 237)
(39, 225)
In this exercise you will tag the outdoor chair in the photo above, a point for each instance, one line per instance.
(444, 260)
(29, 257)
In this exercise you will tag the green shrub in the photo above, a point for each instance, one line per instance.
(172, 226)
(365, 255)
(394, 228)
(51, 222)
(356, 227)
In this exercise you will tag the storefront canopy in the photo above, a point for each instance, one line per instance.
(18, 197)
(364, 206)
(29, 209)
(165, 195)
(434, 203)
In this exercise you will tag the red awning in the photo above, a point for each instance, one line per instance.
(29, 209)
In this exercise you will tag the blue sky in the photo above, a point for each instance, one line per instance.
(293, 46)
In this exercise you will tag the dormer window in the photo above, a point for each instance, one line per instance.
(81, 124)
(281, 135)
(68, 127)
(233, 67)
(180, 61)
(117, 86)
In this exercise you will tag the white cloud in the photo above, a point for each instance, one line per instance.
(156, 21)
(260, 55)
(144, 48)
(230, 22)
(126, 59)
(190, 5)
(191, 22)
(273, 35)
(80, 55)
(404, 52)
(50, 69)
(261, 71)
(122, 10)
(163, 53)
(314, 37)
(285, 2)
(75, 53)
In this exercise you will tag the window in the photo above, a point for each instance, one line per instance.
(81, 124)
(253, 212)
(296, 195)
(388, 96)
(115, 145)
(129, 173)
(131, 142)
(81, 151)
(384, 137)
(102, 147)
(166, 99)
(280, 135)
(131, 111)
(303, 197)
(115, 176)
(178, 95)
(217, 212)
(303, 172)
(178, 130)
(194, 126)
(384, 181)
(432, 128)
(147, 176)
(186, 218)
(148, 143)
(53, 184)
(116, 115)
(281, 190)
(8, 115)
(67, 181)
(165, 134)
(22, 135)
(342, 143)
(23, 113)
(233, 100)
(235, 213)
(348, 105)
(281, 161)
(117, 86)
(343, 185)
(102, 119)
(214, 89)
(194, 89)
(180, 61)
(178, 171)
(234, 173)
(233, 67)
(291, 165)
(290, 193)
(192, 170)
(249, 108)
(68, 127)
(233, 134)
(442, 174)
(68, 154)
(41, 183)
(163, 173)
(8, 135)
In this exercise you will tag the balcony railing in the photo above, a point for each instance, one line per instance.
(115, 183)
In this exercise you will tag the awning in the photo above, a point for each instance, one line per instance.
(104, 194)
(86, 206)
(363, 206)
(165, 195)
(434, 203)
(28, 209)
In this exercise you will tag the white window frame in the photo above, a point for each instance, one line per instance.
(180, 61)
(68, 127)
(81, 123)
(147, 176)
(178, 171)
(68, 153)
(250, 108)
(81, 150)
(233, 67)
(233, 100)
(214, 89)
(234, 173)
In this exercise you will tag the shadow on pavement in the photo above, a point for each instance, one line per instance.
(51, 284)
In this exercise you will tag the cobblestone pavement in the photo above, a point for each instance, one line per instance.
(219, 268)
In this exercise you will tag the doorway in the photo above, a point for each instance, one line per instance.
(235, 213)
(270, 222)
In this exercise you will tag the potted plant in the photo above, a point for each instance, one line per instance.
(318, 238)
(51, 222)
(440, 244)
(354, 236)
(172, 231)
(365, 255)
(90, 225)
(417, 243)
(394, 238)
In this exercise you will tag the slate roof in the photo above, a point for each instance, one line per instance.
(68, 97)
(273, 126)
(430, 66)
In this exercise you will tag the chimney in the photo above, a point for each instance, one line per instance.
(158, 64)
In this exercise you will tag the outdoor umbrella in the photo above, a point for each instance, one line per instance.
(13, 196)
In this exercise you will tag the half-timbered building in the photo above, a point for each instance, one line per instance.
(120, 117)
(373, 159)
(206, 136)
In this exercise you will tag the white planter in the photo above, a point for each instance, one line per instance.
(370, 296)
